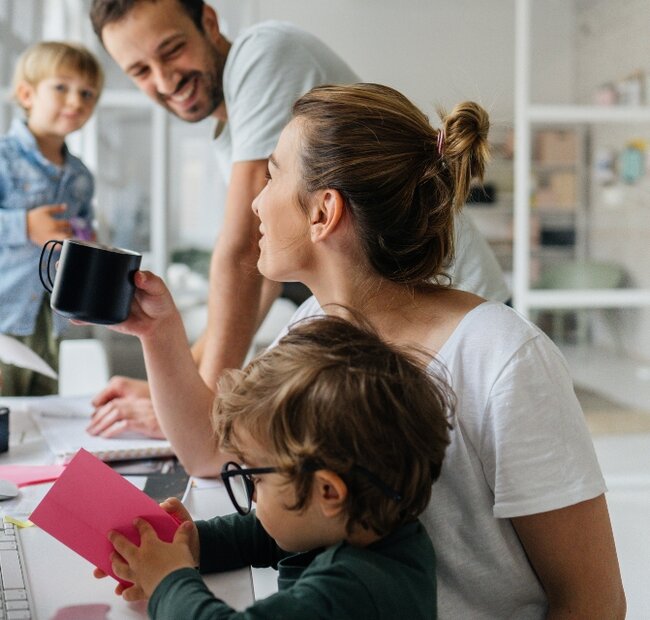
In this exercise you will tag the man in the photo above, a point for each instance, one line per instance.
(174, 52)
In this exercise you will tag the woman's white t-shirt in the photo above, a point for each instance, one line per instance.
(520, 446)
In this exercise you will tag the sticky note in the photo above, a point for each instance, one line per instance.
(22, 475)
(87, 501)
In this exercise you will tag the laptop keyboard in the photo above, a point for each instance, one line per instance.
(15, 600)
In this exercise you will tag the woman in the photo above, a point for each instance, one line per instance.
(359, 206)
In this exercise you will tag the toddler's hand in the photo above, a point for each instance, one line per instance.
(173, 506)
(145, 566)
(132, 593)
(42, 225)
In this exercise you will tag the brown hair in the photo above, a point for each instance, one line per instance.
(45, 59)
(104, 12)
(334, 396)
(380, 152)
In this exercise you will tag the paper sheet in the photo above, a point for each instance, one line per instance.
(87, 501)
(14, 352)
(63, 407)
(65, 432)
(23, 475)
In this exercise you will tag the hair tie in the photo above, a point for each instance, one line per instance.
(441, 141)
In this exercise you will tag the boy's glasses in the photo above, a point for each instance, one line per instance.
(239, 483)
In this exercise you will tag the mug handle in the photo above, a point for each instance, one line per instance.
(49, 284)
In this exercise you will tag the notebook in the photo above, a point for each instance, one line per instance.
(63, 421)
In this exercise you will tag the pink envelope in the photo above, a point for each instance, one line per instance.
(88, 500)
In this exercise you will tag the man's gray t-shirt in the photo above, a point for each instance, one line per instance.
(269, 66)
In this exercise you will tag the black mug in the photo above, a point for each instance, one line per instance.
(93, 282)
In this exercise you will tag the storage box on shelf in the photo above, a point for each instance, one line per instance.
(559, 197)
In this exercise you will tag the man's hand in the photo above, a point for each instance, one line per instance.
(42, 225)
(122, 415)
(121, 387)
(124, 405)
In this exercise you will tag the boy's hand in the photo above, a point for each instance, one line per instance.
(147, 565)
(42, 225)
(175, 507)
(128, 593)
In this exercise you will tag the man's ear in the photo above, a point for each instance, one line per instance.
(24, 94)
(330, 492)
(210, 23)
(325, 213)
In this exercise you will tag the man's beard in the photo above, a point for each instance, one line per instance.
(212, 85)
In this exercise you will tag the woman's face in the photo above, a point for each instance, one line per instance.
(285, 249)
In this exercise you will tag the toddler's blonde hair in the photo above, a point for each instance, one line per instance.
(47, 58)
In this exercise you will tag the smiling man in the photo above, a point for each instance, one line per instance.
(176, 57)
(174, 51)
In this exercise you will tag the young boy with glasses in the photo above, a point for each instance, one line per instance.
(338, 438)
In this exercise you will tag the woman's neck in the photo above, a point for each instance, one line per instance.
(400, 314)
(385, 304)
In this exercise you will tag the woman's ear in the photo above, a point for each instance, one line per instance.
(24, 94)
(325, 213)
(330, 492)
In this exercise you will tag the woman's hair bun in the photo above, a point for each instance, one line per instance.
(466, 148)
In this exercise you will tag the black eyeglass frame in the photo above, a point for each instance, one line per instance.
(247, 472)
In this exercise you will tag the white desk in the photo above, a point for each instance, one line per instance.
(60, 578)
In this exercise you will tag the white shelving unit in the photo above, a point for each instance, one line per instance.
(527, 116)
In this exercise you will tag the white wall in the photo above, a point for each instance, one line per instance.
(435, 52)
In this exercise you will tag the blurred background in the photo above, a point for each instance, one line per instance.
(565, 205)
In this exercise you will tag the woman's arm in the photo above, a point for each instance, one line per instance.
(573, 553)
(181, 399)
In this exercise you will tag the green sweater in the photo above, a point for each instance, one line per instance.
(391, 578)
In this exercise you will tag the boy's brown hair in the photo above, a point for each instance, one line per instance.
(332, 395)
(46, 58)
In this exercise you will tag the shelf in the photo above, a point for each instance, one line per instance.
(554, 166)
(550, 251)
(570, 114)
(588, 298)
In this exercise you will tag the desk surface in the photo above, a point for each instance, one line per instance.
(59, 577)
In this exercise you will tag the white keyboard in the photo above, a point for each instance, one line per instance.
(15, 603)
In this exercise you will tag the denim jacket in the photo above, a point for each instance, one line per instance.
(28, 180)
